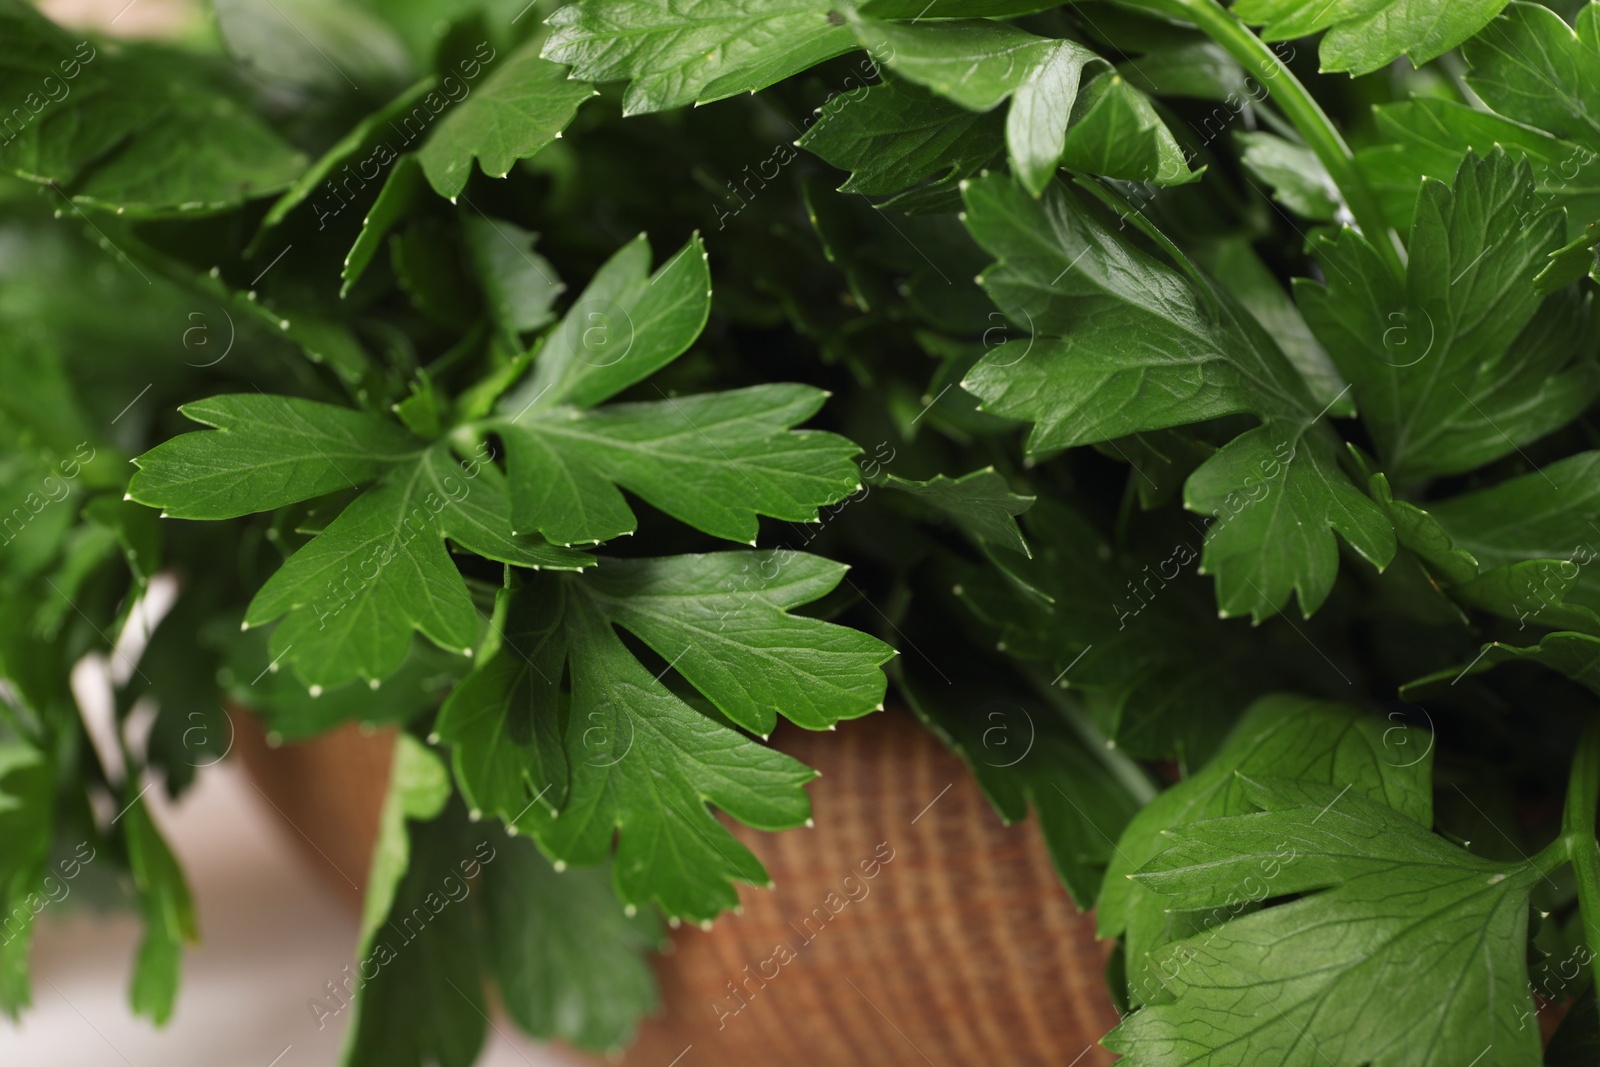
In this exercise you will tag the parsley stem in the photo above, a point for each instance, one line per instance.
(1302, 109)
(1577, 830)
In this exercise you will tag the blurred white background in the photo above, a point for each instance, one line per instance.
(272, 934)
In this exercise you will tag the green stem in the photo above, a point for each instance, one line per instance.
(1577, 830)
(1302, 109)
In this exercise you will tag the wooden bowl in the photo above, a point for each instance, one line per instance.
(909, 928)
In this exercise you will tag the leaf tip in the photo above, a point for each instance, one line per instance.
(433, 738)
(559, 865)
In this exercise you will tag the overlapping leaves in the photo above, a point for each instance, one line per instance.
(1467, 362)
(351, 598)
(1384, 905)
(635, 759)
(1280, 735)
(1121, 342)
(151, 132)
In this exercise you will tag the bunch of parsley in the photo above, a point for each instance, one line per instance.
(474, 382)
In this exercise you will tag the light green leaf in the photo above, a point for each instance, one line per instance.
(676, 52)
(1117, 133)
(1367, 34)
(1403, 948)
(714, 461)
(521, 106)
(1282, 735)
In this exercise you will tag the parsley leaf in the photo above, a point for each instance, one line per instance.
(354, 594)
(1531, 66)
(568, 960)
(676, 52)
(267, 451)
(27, 809)
(634, 757)
(420, 999)
(1575, 655)
(1283, 735)
(1387, 906)
(1364, 35)
(144, 131)
(1157, 678)
(523, 105)
(906, 144)
(168, 913)
(980, 64)
(1457, 368)
(1121, 343)
(714, 461)
(980, 503)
